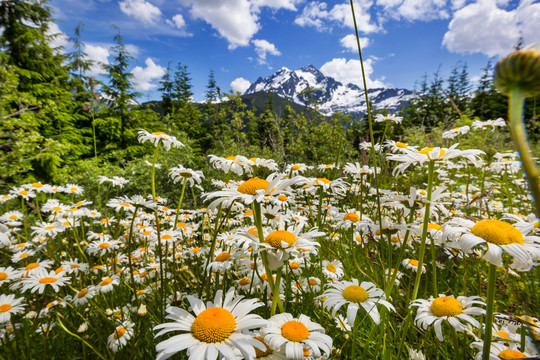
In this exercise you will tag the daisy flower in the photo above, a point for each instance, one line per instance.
(389, 117)
(107, 284)
(501, 351)
(215, 329)
(501, 237)
(410, 157)
(412, 265)
(267, 163)
(191, 176)
(366, 295)
(10, 306)
(45, 229)
(155, 138)
(448, 308)
(290, 335)
(8, 274)
(332, 270)
(297, 168)
(102, 247)
(38, 282)
(237, 164)
(83, 296)
(477, 124)
(122, 334)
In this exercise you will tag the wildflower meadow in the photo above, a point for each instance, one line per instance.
(423, 246)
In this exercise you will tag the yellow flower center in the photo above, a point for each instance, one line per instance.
(295, 167)
(230, 158)
(3, 276)
(497, 232)
(329, 165)
(282, 198)
(103, 245)
(322, 180)
(223, 257)
(47, 280)
(294, 265)
(213, 325)
(250, 187)
(57, 208)
(277, 237)
(119, 333)
(355, 294)
(49, 227)
(23, 192)
(244, 281)
(294, 331)
(106, 282)
(413, 262)
(4, 308)
(331, 268)
(166, 237)
(23, 255)
(511, 354)
(446, 306)
(401, 145)
(433, 226)
(13, 217)
(425, 151)
(313, 282)
(82, 293)
(158, 133)
(31, 266)
(258, 352)
(352, 217)
(503, 334)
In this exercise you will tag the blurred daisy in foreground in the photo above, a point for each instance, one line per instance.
(290, 335)
(366, 295)
(501, 351)
(449, 309)
(215, 330)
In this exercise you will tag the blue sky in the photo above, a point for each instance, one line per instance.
(244, 39)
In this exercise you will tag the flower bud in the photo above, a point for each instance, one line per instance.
(519, 70)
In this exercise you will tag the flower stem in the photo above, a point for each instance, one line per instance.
(180, 203)
(424, 232)
(516, 101)
(489, 312)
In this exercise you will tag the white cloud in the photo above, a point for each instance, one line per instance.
(99, 55)
(235, 20)
(59, 39)
(412, 10)
(349, 43)
(141, 10)
(484, 27)
(350, 71)
(262, 48)
(240, 84)
(316, 14)
(177, 21)
(313, 15)
(142, 77)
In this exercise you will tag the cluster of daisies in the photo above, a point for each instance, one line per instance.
(249, 275)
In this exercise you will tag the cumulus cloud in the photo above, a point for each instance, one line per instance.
(412, 10)
(99, 55)
(177, 21)
(262, 48)
(235, 20)
(316, 14)
(349, 43)
(143, 77)
(141, 10)
(240, 84)
(58, 39)
(484, 27)
(350, 71)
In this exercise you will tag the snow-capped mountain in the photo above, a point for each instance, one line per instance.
(331, 95)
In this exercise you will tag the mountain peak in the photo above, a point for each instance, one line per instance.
(332, 95)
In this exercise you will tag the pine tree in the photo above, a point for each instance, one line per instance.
(120, 89)
(211, 93)
(166, 91)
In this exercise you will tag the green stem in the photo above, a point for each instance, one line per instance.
(180, 203)
(424, 232)
(153, 171)
(489, 312)
(276, 291)
(519, 135)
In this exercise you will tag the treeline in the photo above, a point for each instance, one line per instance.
(56, 120)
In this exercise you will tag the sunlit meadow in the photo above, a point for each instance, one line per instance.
(428, 249)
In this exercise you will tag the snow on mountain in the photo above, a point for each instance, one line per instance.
(331, 95)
